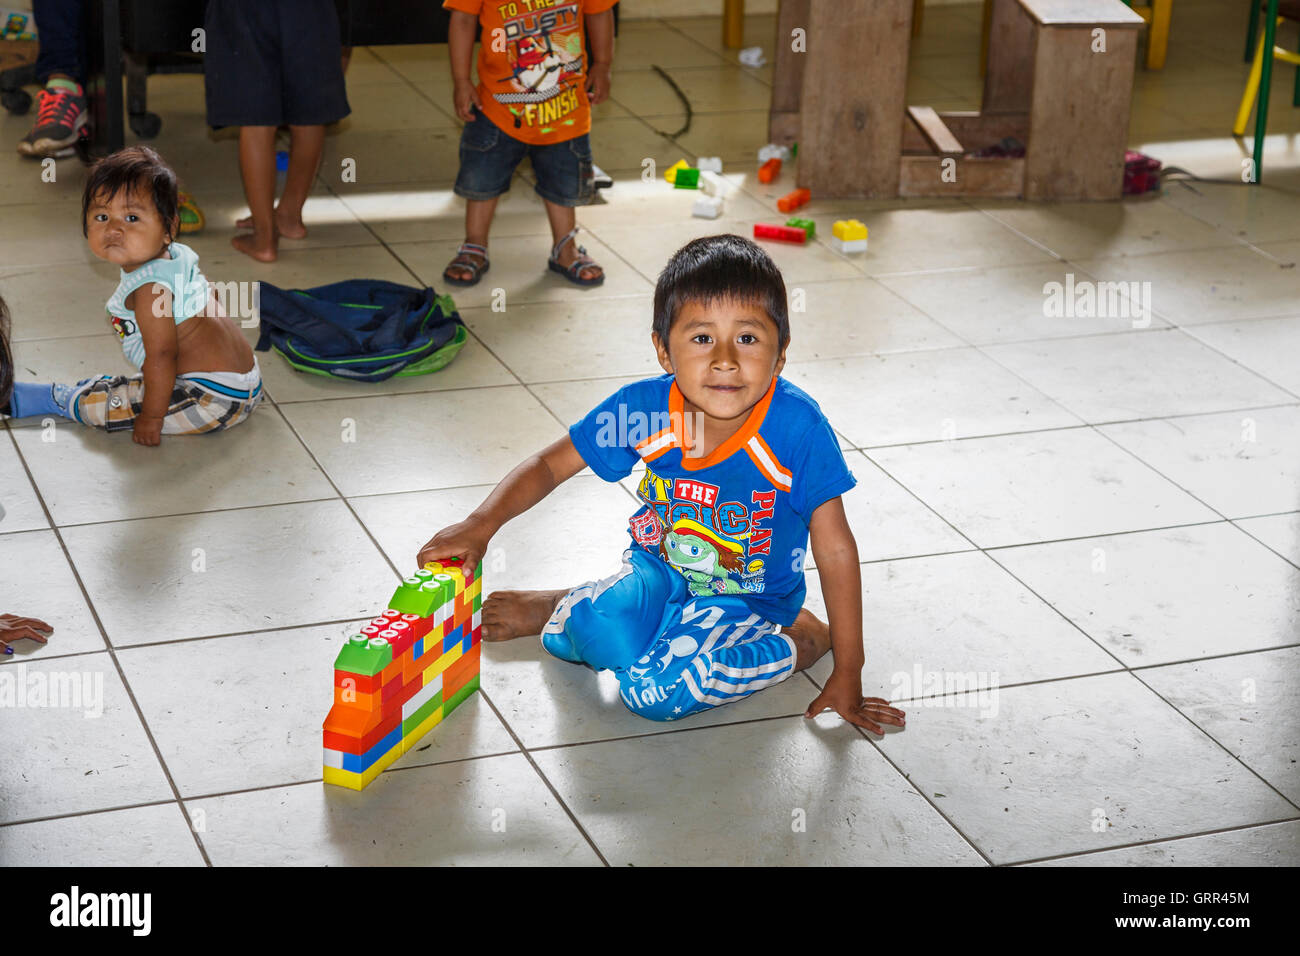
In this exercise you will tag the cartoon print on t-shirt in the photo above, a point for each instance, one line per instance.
(704, 557)
(546, 59)
(717, 546)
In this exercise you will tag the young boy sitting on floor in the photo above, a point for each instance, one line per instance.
(740, 468)
(197, 371)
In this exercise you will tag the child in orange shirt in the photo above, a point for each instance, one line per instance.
(534, 99)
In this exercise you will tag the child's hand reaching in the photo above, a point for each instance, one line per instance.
(466, 539)
(843, 694)
(147, 430)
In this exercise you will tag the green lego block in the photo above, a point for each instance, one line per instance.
(363, 657)
(470, 687)
(688, 178)
(807, 225)
(423, 714)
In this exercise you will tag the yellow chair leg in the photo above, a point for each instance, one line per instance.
(1252, 90)
(1158, 34)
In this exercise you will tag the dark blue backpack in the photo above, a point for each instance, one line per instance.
(363, 330)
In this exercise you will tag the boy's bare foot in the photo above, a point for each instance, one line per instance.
(511, 614)
(811, 637)
(262, 250)
(288, 227)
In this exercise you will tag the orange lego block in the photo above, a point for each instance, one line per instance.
(461, 672)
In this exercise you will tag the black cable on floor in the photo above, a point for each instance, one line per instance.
(685, 103)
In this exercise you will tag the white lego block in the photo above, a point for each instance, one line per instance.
(707, 207)
(848, 247)
(711, 184)
(422, 697)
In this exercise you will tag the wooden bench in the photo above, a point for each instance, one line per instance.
(1059, 80)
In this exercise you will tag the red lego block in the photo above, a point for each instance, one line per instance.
(359, 745)
(361, 683)
(764, 230)
(420, 626)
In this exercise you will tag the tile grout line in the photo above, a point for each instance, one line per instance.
(126, 685)
(1156, 841)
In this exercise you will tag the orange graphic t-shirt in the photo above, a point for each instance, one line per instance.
(532, 65)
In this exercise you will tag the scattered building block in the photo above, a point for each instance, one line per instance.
(707, 207)
(763, 230)
(792, 201)
(670, 173)
(807, 225)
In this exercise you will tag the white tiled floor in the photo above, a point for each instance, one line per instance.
(1098, 522)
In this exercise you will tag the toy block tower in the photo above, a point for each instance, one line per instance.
(401, 674)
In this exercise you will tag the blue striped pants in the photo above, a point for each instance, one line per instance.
(674, 654)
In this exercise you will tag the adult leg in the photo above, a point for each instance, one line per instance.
(306, 143)
(257, 168)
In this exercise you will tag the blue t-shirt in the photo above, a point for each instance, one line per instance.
(736, 521)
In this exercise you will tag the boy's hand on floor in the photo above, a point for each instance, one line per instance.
(465, 98)
(843, 694)
(465, 540)
(147, 430)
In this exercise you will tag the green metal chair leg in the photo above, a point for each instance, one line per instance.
(1265, 81)
(1252, 30)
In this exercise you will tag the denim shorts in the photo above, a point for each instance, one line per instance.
(489, 156)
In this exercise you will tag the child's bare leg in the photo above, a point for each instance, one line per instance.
(306, 143)
(811, 637)
(478, 222)
(511, 614)
(257, 168)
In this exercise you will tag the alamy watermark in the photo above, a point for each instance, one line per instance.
(947, 689)
(1086, 299)
(650, 432)
(55, 689)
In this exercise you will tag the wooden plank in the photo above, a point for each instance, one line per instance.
(1078, 120)
(989, 178)
(1010, 59)
(853, 96)
(1099, 13)
(935, 132)
(973, 130)
(787, 74)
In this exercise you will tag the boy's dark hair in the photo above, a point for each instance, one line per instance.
(131, 168)
(720, 267)
(6, 357)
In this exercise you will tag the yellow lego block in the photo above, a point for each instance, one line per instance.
(848, 230)
(358, 781)
(441, 664)
(411, 739)
(670, 173)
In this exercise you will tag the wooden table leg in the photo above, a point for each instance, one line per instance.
(733, 24)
